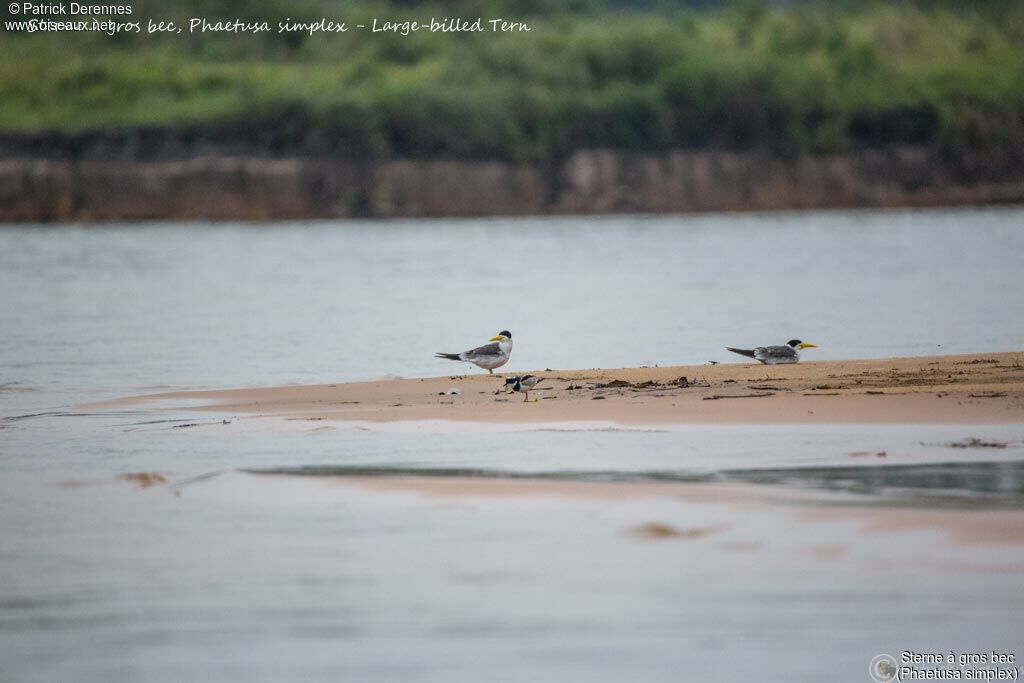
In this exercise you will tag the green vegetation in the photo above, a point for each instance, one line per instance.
(796, 78)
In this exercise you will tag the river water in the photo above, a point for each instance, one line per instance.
(252, 562)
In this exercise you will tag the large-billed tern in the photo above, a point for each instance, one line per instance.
(488, 356)
(775, 355)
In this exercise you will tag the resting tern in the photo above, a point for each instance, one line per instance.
(524, 384)
(488, 356)
(776, 355)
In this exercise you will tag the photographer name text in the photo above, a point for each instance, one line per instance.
(48, 17)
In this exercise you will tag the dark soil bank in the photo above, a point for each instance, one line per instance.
(242, 187)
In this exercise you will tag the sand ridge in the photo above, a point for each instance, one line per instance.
(973, 388)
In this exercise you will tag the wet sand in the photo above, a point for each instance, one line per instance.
(966, 389)
(739, 503)
(723, 522)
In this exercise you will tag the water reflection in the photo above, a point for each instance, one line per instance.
(977, 483)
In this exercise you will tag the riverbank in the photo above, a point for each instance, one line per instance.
(586, 182)
(968, 389)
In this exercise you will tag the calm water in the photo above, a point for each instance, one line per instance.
(229, 574)
(125, 307)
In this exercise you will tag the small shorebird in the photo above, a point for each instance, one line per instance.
(775, 355)
(523, 384)
(488, 356)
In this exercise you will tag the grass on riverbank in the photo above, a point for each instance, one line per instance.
(806, 77)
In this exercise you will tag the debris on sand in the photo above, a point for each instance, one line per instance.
(678, 383)
(614, 384)
(721, 396)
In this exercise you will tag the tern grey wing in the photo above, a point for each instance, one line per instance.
(775, 352)
(492, 349)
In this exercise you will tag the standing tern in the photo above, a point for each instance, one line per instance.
(488, 356)
(775, 355)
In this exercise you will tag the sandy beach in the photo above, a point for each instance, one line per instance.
(966, 389)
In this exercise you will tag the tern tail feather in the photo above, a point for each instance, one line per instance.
(447, 356)
(743, 352)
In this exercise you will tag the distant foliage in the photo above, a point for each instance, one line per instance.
(796, 78)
